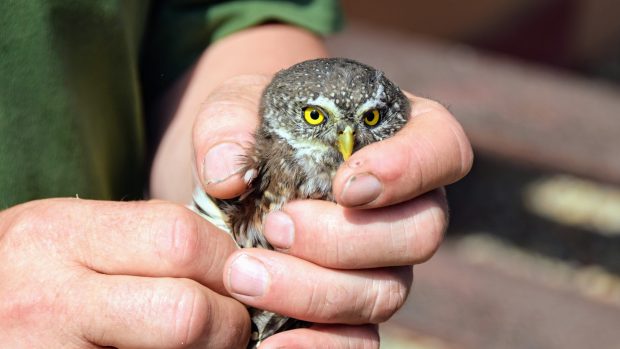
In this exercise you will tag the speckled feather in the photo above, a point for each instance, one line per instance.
(293, 159)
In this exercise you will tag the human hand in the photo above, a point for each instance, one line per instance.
(345, 264)
(88, 274)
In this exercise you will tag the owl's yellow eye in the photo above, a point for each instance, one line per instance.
(313, 116)
(372, 117)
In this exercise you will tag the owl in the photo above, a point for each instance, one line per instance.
(314, 115)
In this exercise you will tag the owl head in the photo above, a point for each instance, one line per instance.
(326, 109)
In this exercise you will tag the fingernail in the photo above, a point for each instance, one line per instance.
(360, 189)
(279, 230)
(221, 162)
(248, 276)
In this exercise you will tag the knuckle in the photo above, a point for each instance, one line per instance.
(180, 243)
(237, 99)
(436, 106)
(33, 301)
(237, 328)
(216, 105)
(198, 318)
(30, 218)
(327, 302)
(27, 217)
(463, 149)
(430, 226)
(370, 339)
(335, 254)
(18, 224)
(466, 154)
(238, 92)
(239, 86)
(424, 106)
(26, 305)
(190, 314)
(387, 295)
(420, 233)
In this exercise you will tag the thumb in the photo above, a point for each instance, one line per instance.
(223, 133)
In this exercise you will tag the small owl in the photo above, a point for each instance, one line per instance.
(315, 114)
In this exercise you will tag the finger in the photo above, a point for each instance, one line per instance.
(430, 151)
(293, 287)
(332, 336)
(223, 132)
(143, 239)
(134, 312)
(333, 236)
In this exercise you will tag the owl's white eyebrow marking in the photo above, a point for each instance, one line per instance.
(374, 101)
(327, 104)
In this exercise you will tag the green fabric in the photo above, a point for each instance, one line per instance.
(321, 17)
(74, 76)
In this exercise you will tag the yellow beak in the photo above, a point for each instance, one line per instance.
(345, 143)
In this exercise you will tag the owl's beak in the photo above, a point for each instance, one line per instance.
(345, 142)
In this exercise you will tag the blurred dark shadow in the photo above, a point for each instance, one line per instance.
(580, 35)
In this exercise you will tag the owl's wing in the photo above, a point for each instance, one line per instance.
(207, 209)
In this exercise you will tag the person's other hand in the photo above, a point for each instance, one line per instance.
(90, 274)
(345, 266)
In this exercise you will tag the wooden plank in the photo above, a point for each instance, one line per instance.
(478, 306)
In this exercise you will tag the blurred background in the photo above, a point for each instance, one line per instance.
(532, 256)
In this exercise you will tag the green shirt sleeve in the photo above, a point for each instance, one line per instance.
(319, 16)
(76, 78)
(179, 30)
(70, 106)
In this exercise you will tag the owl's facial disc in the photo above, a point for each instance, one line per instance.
(310, 105)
